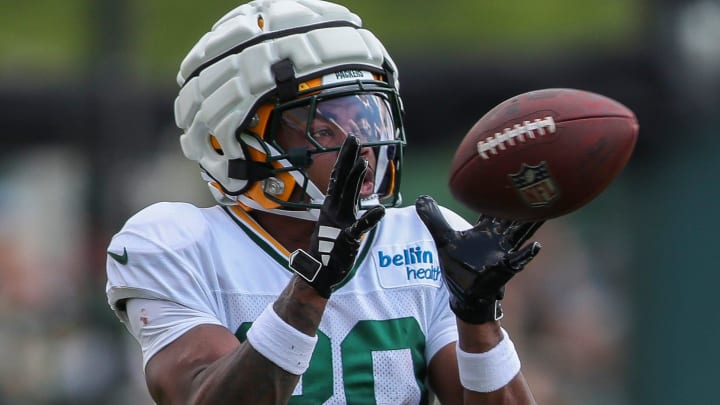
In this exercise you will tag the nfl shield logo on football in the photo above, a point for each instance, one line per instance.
(535, 185)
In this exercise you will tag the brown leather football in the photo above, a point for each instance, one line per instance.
(543, 154)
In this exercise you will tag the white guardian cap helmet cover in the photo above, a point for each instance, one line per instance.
(272, 61)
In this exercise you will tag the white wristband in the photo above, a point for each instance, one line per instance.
(491, 370)
(281, 343)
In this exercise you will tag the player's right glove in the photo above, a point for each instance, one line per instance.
(478, 262)
(336, 239)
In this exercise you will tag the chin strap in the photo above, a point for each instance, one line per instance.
(251, 171)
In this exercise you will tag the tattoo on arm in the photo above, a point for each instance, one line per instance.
(246, 376)
(300, 306)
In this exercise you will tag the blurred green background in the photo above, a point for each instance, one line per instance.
(617, 309)
(62, 38)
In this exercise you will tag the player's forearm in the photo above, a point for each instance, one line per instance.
(244, 377)
(301, 306)
(482, 338)
(247, 376)
(478, 338)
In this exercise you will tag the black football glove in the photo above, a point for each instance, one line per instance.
(476, 263)
(336, 239)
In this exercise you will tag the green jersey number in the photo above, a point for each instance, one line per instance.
(357, 349)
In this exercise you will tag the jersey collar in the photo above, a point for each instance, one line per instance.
(278, 252)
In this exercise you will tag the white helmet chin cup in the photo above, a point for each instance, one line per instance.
(245, 60)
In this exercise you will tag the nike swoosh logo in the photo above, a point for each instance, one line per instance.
(122, 259)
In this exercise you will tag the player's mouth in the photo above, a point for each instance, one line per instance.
(368, 186)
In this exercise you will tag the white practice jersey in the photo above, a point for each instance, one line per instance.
(380, 328)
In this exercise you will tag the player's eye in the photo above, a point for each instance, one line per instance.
(321, 133)
(327, 137)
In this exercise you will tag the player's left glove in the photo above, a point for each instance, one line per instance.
(478, 262)
(336, 239)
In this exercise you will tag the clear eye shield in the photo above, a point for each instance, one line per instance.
(327, 123)
(321, 122)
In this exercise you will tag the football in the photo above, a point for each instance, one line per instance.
(542, 154)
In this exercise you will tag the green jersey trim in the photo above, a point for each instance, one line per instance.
(273, 248)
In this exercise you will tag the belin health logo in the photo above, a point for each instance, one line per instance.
(419, 264)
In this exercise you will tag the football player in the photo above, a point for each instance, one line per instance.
(307, 283)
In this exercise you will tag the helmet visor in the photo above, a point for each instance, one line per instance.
(326, 122)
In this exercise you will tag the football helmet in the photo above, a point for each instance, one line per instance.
(270, 68)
